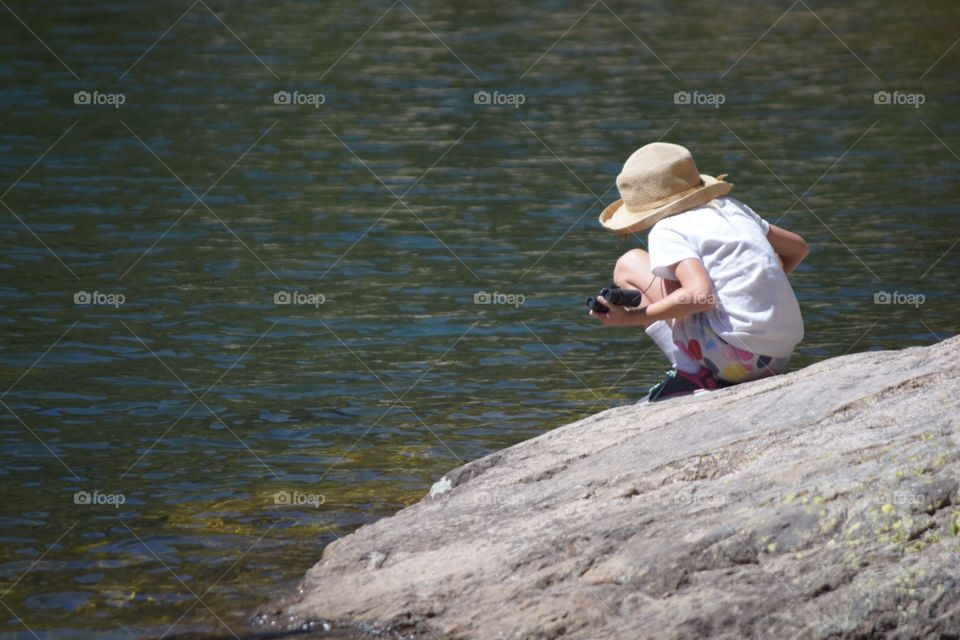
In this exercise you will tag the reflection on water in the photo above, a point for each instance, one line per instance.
(193, 448)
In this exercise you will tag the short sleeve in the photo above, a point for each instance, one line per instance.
(668, 246)
(756, 218)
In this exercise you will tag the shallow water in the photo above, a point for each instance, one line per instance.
(195, 413)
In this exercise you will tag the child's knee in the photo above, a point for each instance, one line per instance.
(632, 266)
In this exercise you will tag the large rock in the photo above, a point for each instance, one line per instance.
(817, 504)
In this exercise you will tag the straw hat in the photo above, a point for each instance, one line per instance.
(659, 180)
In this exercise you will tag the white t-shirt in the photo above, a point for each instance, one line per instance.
(756, 307)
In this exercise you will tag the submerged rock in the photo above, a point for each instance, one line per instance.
(819, 504)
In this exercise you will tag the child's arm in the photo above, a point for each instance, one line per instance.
(694, 295)
(791, 248)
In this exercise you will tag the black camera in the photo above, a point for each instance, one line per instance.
(615, 295)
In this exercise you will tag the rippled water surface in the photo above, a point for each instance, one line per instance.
(172, 462)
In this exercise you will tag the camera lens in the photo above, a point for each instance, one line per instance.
(594, 305)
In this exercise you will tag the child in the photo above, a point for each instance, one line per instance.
(716, 298)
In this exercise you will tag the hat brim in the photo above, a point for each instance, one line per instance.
(617, 217)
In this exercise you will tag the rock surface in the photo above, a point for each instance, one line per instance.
(819, 504)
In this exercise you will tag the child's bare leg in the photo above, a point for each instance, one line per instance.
(633, 272)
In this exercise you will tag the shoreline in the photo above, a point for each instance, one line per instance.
(822, 501)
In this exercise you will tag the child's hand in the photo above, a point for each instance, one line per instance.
(618, 316)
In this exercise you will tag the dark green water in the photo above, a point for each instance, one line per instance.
(198, 400)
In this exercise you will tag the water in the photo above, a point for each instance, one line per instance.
(196, 412)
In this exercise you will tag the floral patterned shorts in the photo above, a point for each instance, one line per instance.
(696, 338)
